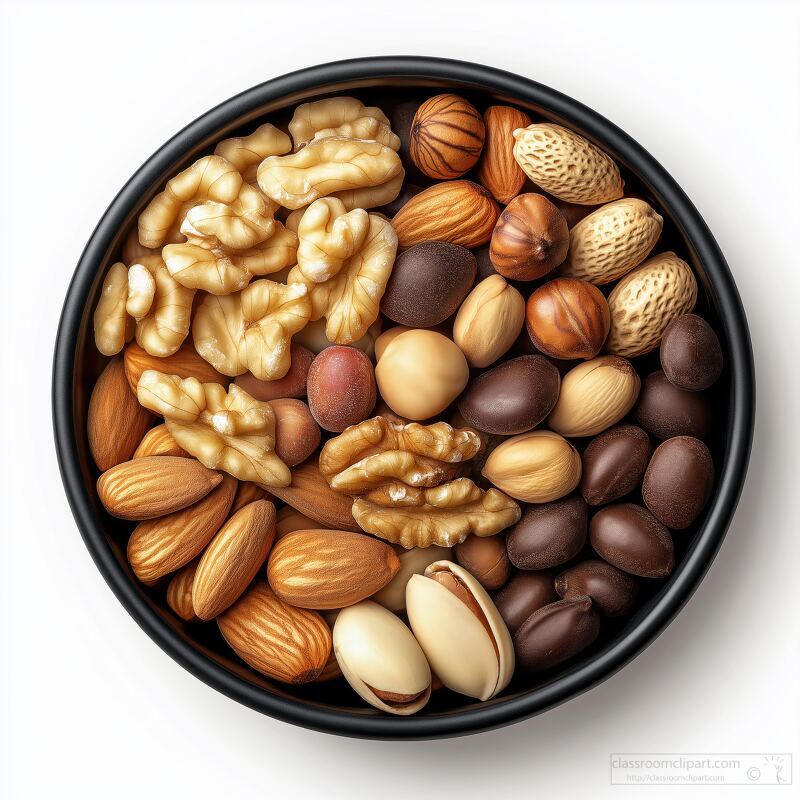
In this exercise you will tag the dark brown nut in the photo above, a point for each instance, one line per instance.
(549, 534)
(297, 434)
(446, 137)
(664, 410)
(613, 592)
(485, 559)
(525, 593)
(530, 238)
(614, 463)
(691, 356)
(678, 481)
(485, 266)
(631, 538)
(293, 384)
(401, 116)
(568, 318)
(341, 388)
(556, 633)
(513, 397)
(428, 283)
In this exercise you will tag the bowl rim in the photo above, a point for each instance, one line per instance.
(682, 583)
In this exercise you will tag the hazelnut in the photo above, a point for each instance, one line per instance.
(297, 435)
(485, 559)
(568, 318)
(530, 238)
(292, 384)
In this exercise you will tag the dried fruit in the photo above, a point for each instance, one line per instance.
(497, 170)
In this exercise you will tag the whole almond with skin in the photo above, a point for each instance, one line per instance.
(325, 569)
(116, 422)
(179, 592)
(185, 362)
(153, 486)
(232, 559)
(310, 494)
(158, 441)
(498, 170)
(248, 492)
(163, 545)
(282, 642)
(461, 212)
(289, 519)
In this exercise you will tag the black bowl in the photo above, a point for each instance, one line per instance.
(335, 709)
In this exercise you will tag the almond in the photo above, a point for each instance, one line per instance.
(116, 421)
(158, 441)
(248, 492)
(179, 592)
(461, 212)
(498, 170)
(283, 642)
(232, 559)
(325, 569)
(152, 486)
(185, 362)
(310, 494)
(290, 519)
(160, 546)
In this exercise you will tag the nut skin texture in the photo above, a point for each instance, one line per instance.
(489, 321)
(614, 463)
(556, 633)
(568, 318)
(461, 212)
(530, 239)
(421, 373)
(297, 434)
(691, 355)
(665, 411)
(613, 592)
(678, 481)
(179, 593)
(535, 467)
(512, 398)
(549, 535)
(293, 384)
(446, 137)
(525, 593)
(412, 562)
(485, 559)
(497, 170)
(428, 283)
(185, 362)
(158, 441)
(630, 538)
(341, 388)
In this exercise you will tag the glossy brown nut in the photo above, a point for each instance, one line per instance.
(568, 318)
(691, 355)
(511, 398)
(428, 283)
(556, 633)
(485, 559)
(525, 593)
(297, 434)
(664, 410)
(293, 384)
(613, 592)
(678, 481)
(614, 463)
(629, 537)
(530, 238)
(341, 388)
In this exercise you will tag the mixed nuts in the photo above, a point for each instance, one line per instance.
(379, 401)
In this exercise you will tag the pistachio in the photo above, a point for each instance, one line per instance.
(380, 658)
(412, 562)
(461, 632)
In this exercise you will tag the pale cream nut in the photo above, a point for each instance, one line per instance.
(113, 327)
(340, 116)
(141, 291)
(412, 562)
(247, 152)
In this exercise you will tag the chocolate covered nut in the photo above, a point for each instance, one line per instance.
(613, 591)
(691, 356)
(631, 538)
(525, 593)
(293, 384)
(548, 535)
(555, 633)
(664, 410)
(513, 397)
(678, 481)
(614, 463)
(485, 559)
(428, 283)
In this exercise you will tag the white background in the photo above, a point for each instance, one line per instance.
(90, 707)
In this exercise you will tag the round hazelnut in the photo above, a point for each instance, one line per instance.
(341, 388)
(486, 559)
(530, 238)
(420, 373)
(568, 318)
(386, 338)
(293, 384)
(297, 435)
